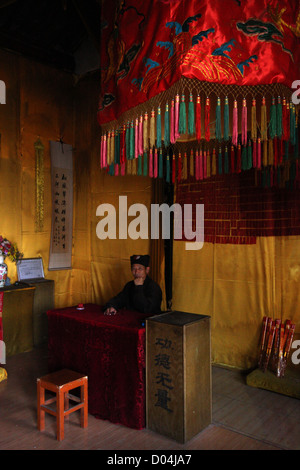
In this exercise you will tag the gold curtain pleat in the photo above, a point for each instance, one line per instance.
(157, 251)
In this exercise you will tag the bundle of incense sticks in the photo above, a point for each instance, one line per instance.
(262, 341)
(275, 345)
(286, 339)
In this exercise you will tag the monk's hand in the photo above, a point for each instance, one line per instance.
(110, 311)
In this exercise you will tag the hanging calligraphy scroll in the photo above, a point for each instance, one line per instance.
(62, 206)
(39, 185)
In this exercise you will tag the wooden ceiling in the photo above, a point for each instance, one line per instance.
(51, 31)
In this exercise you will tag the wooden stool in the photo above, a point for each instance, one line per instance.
(61, 382)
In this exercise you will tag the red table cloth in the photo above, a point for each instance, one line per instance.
(111, 351)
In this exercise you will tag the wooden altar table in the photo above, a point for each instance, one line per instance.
(110, 350)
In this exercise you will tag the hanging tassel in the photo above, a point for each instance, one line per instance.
(179, 173)
(176, 131)
(104, 155)
(140, 161)
(111, 169)
(117, 148)
(285, 120)
(214, 163)
(133, 167)
(297, 140)
(141, 143)
(123, 167)
(218, 120)
(273, 120)
(265, 153)
(253, 120)
(168, 175)
(155, 167)
(127, 140)
(280, 151)
(192, 163)
(136, 139)
(292, 124)
(220, 163)
(275, 151)
(145, 133)
(254, 154)
(232, 159)
(167, 127)
(208, 164)
(286, 149)
(145, 164)
(101, 151)
(249, 155)
(263, 123)
(191, 116)
(226, 119)
(239, 159)
(244, 160)
(258, 153)
(198, 118)
(112, 148)
(184, 169)
(201, 165)
(226, 161)
(152, 129)
(204, 164)
(160, 164)
(158, 128)
(235, 124)
(279, 117)
(207, 120)
(131, 143)
(182, 116)
(108, 148)
(151, 163)
(123, 144)
(116, 169)
(172, 123)
(173, 169)
(197, 167)
(128, 167)
(244, 122)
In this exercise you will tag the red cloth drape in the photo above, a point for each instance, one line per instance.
(1, 310)
(111, 351)
(148, 46)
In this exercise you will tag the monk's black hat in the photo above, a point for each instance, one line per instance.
(140, 259)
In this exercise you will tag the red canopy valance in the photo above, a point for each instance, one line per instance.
(215, 72)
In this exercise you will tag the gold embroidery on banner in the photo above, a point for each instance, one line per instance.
(212, 67)
(277, 15)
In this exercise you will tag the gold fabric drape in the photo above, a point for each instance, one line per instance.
(157, 245)
(237, 285)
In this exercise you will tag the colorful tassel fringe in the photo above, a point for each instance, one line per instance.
(137, 147)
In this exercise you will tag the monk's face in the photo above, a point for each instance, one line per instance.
(139, 271)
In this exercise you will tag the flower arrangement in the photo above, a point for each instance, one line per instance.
(10, 250)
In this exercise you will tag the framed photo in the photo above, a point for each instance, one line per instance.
(30, 268)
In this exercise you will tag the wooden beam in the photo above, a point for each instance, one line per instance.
(51, 57)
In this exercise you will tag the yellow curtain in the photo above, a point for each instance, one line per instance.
(237, 285)
(157, 245)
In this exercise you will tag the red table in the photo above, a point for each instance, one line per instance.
(111, 351)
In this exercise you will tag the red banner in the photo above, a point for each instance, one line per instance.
(148, 46)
